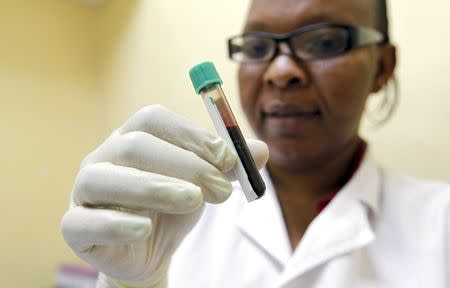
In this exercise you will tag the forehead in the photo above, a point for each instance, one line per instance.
(281, 16)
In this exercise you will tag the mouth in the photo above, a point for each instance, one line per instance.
(291, 112)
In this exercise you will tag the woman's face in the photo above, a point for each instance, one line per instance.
(307, 112)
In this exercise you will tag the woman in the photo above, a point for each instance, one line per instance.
(331, 216)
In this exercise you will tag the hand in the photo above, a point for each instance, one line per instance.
(139, 193)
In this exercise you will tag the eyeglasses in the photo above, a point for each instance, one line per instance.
(312, 42)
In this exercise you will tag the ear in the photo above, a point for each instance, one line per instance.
(387, 61)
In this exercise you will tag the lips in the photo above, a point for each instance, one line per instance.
(289, 111)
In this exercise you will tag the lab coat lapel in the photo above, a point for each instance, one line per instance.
(343, 226)
(261, 221)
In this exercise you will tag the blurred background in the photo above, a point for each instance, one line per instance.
(71, 71)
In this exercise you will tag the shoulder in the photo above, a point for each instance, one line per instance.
(412, 226)
(423, 201)
(408, 188)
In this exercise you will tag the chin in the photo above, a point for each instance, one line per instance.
(298, 157)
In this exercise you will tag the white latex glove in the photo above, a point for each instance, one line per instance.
(139, 193)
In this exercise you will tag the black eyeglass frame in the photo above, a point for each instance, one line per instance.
(358, 36)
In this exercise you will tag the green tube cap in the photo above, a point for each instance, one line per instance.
(203, 75)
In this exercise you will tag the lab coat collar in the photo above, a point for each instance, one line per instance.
(344, 225)
(365, 185)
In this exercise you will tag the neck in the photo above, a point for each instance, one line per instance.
(315, 182)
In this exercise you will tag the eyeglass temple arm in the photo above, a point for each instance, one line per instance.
(366, 36)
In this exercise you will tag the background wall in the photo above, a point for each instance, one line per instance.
(51, 114)
(417, 138)
(70, 73)
(146, 58)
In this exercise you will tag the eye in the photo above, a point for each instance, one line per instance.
(326, 43)
(256, 47)
(321, 42)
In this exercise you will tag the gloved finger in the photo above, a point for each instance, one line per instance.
(260, 154)
(105, 184)
(259, 151)
(146, 152)
(172, 128)
(83, 228)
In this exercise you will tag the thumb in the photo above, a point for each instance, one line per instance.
(260, 152)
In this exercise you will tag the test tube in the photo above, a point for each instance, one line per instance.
(207, 83)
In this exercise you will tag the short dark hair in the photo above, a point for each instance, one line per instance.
(383, 20)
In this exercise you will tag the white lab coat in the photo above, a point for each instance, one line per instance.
(381, 230)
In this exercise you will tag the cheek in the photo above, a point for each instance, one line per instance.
(344, 84)
(250, 83)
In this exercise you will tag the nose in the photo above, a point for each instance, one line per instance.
(285, 71)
